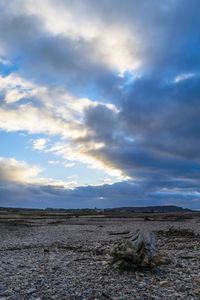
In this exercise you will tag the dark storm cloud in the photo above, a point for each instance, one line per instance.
(154, 138)
(103, 124)
(167, 31)
(105, 196)
(165, 116)
(55, 59)
(160, 144)
(167, 42)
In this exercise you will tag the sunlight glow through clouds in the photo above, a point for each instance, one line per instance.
(53, 118)
(113, 45)
(107, 91)
(20, 172)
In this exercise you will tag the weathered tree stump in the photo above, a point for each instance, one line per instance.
(139, 251)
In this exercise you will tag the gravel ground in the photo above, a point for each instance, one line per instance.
(69, 259)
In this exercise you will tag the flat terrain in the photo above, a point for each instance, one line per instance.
(61, 256)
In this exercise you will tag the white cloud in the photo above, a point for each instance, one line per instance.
(80, 152)
(29, 118)
(16, 88)
(39, 144)
(60, 115)
(17, 171)
(184, 76)
(55, 183)
(12, 170)
(54, 162)
(69, 165)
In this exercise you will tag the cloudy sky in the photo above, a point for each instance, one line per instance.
(99, 103)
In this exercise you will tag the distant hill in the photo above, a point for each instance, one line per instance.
(146, 209)
(151, 209)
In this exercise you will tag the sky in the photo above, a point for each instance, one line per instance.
(99, 103)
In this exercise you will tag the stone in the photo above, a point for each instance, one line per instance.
(62, 275)
(161, 260)
(163, 283)
(5, 293)
(31, 291)
(197, 291)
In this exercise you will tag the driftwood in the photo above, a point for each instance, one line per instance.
(139, 251)
(118, 233)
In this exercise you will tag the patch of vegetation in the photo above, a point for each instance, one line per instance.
(16, 223)
(179, 232)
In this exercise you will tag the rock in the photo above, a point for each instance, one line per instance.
(105, 296)
(137, 251)
(60, 274)
(6, 293)
(2, 288)
(197, 291)
(161, 260)
(197, 280)
(163, 283)
(31, 291)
